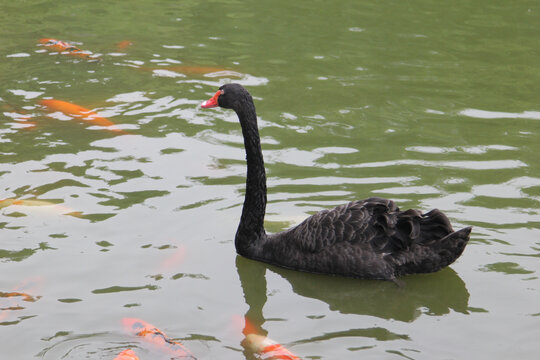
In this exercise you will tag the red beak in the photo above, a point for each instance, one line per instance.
(213, 101)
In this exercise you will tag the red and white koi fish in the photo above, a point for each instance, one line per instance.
(127, 354)
(264, 346)
(79, 112)
(66, 48)
(156, 337)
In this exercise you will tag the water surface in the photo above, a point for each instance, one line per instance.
(431, 104)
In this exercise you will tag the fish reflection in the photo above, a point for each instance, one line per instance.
(66, 48)
(127, 354)
(79, 112)
(157, 338)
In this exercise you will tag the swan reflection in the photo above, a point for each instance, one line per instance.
(429, 294)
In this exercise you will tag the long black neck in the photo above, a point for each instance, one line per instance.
(250, 233)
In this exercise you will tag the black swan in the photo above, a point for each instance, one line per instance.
(369, 239)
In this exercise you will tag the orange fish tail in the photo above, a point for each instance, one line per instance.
(127, 354)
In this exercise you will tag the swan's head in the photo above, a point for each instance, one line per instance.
(229, 96)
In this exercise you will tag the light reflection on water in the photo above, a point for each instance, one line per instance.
(141, 225)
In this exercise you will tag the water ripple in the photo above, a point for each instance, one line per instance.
(484, 114)
(464, 164)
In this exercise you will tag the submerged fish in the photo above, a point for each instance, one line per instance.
(23, 295)
(8, 202)
(24, 290)
(20, 116)
(22, 121)
(67, 48)
(156, 337)
(191, 69)
(173, 260)
(264, 346)
(79, 112)
(122, 45)
(57, 208)
(195, 70)
(127, 354)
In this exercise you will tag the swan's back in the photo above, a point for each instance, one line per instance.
(368, 238)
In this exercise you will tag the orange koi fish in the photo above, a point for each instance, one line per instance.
(191, 69)
(79, 112)
(50, 205)
(267, 348)
(24, 123)
(24, 296)
(66, 48)
(24, 290)
(127, 354)
(173, 260)
(122, 45)
(195, 70)
(8, 202)
(23, 119)
(156, 337)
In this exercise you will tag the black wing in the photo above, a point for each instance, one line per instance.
(372, 223)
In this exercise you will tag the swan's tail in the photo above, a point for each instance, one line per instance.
(424, 258)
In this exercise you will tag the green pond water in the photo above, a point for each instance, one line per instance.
(433, 104)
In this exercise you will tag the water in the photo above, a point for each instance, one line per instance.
(428, 103)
